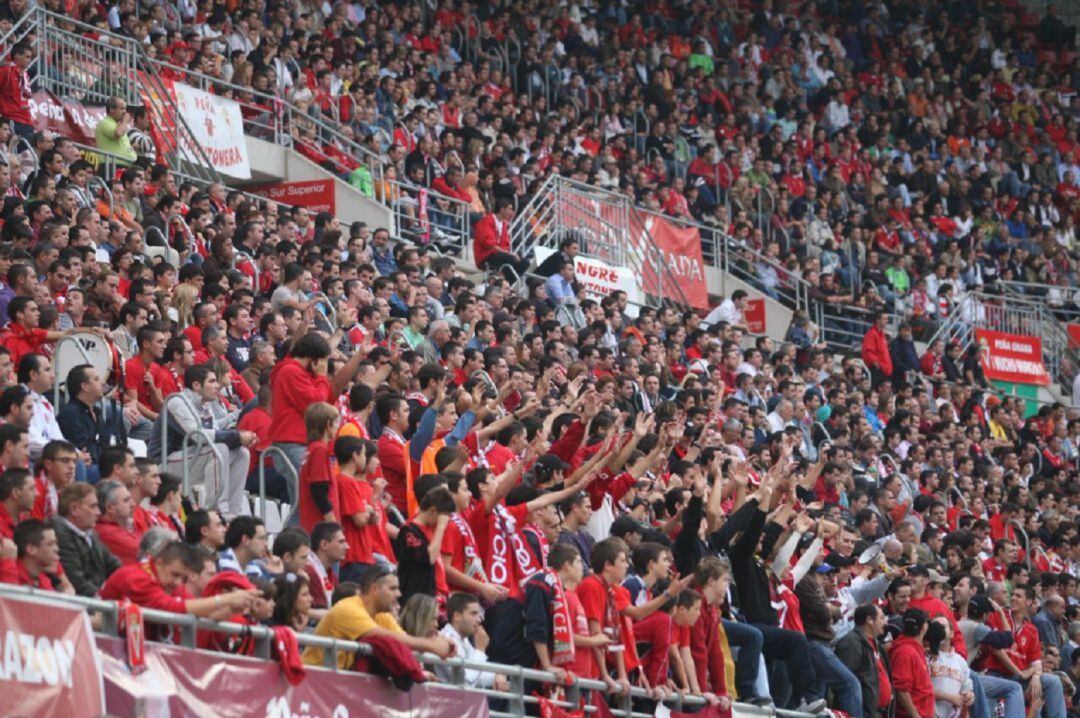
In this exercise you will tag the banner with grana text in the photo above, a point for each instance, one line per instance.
(679, 250)
(1012, 357)
(48, 663)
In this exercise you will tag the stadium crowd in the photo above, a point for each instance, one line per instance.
(645, 499)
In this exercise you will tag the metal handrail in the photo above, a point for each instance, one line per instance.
(273, 450)
(188, 627)
(199, 440)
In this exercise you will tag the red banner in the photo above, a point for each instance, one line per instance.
(1012, 357)
(316, 195)
(67, 117)
(183, 682)
(680, 252)
(755, 315)
(600, 225)
(1074, 335)
(48, 666)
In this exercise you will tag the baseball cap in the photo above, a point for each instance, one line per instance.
(546, 466)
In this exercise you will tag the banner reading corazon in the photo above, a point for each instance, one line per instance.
(66, 117)
(1012, 357)
(48, 663)
(215, 122)
(316, 195)
(182, 682)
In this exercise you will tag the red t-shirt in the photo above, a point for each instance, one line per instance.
(584, 663)
(354, 496)
(1025, 650)
(994, 569)
(21, 341)
(658, 631)
(483, 525)
(45, 499)
(7, 523)
(135, 370)
(593, 593)
(460, 546)
(884, 684)
(316, 470)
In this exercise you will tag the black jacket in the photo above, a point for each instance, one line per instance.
(750, 577)
(86, 428)
(855, 653)
(86, 565)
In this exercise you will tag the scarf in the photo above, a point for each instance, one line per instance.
(562, 624)
(541, 541)
(505, 538)
(474, 567)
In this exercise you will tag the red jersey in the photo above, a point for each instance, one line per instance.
(460, 547)
(316, 470)
(134, 373)
(1025, 650)
(14, 572)
(21, 341)
(354, 497)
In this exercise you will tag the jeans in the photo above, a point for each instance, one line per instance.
(835, 675)
(790, 648)
(291, 471)
(1053, 696)
(991, 688)
(749, 641)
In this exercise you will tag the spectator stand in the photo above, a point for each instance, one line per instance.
(78, 61)
(517, 701)
(608, 226)
(1013, 314)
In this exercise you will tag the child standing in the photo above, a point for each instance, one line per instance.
(318, 487)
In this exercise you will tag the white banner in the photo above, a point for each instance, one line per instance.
(218, 127)
(600, 278)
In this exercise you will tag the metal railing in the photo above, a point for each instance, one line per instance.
(1014, 314)
(425, 217)
(516, 698)
(607, 227)
(73, 59)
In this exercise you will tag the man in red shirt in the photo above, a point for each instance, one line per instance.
(921, 599)
(115, 528)
(158, 583)
(144, 376)
(179, 355)
(22, 336)
(57, 471)
(610, 560)
(15, 92)
(35, 561)
(394, 452)
(875, 350)
(1023, 661)
(491, 240)
(298, 381)
(16, 498)
(328, 548)
(1005, 553)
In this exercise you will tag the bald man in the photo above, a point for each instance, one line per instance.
(1049, 621)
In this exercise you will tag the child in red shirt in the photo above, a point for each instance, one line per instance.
(318, 485)
(356, 501)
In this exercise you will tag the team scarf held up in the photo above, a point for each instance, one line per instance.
(506, 570)
(474, 566)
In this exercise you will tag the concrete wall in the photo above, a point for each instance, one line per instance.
(271, 162)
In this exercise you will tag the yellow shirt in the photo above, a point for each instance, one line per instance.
(348, 620)
(997, 432)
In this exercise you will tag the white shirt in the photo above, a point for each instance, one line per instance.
(776, 422)
(466, 650)
(43, 426)
(726, 312)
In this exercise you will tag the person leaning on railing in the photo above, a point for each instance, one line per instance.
(370, 614)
